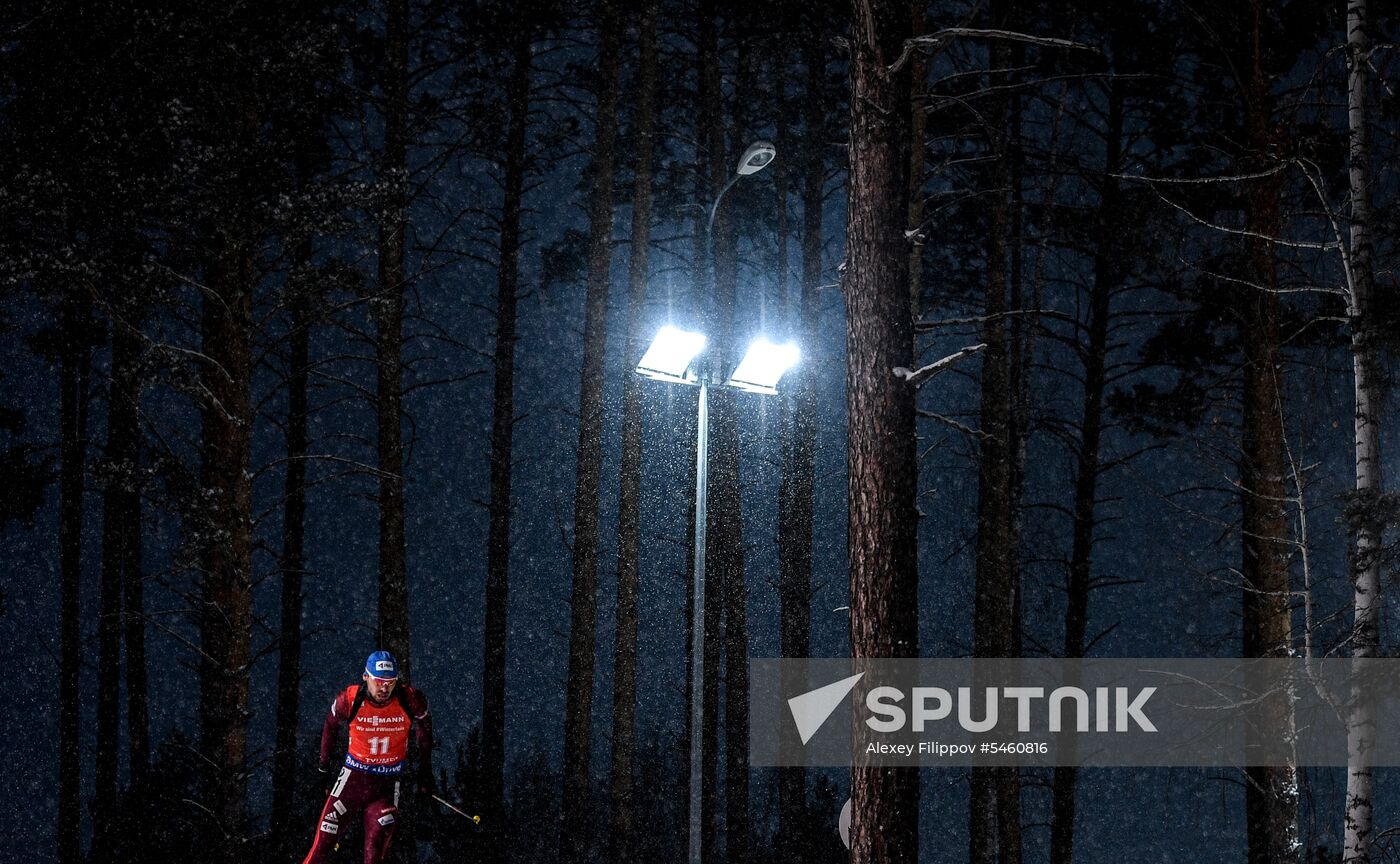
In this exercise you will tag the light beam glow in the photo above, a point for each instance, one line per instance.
(763, 366)
(670, 354)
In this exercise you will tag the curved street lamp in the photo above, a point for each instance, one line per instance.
(757, 156)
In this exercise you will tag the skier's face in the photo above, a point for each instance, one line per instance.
(380, 689)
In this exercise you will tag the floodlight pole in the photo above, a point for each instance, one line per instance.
(702, 472)
(697, 612)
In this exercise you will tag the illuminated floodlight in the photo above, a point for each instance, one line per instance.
(671, 353)
(763, 366)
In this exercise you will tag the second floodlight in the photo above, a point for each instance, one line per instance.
(763, 366)
(671, 354)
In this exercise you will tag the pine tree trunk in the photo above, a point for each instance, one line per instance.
(105, 759)
(121, 539)
(493, 698)
(1271, 795)
(796, 492)
(725, 559)
(106, 756)
(1367, 372)
(1107, 273)
(709, 137)
(994, 600)
(388, 306)
(882, 520)
(226, 603)
(578, 718)
(630, 473)
(1017, 441)
(775, 88)
(126, 353)
(918, 130)
(74, 363)
(285, 825)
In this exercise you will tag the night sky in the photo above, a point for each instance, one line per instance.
(1170, 534)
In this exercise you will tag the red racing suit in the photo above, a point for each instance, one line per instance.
(367, 786)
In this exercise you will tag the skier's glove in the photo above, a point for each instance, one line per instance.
(326, 783)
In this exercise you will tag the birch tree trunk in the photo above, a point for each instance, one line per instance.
(1365, 559)
(881, 520)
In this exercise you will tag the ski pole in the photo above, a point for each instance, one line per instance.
(475, 820)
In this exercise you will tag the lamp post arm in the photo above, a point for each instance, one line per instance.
(714, 208)
(712, 266)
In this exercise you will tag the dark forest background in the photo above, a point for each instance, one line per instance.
(319, 322)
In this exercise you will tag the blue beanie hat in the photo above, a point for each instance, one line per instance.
(381, 664)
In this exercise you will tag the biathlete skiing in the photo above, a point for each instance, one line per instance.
(382, 714)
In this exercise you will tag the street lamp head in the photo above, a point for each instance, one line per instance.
(670, 354)
(757, 157)
(763, 366)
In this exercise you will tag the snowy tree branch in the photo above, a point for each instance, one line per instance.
(936, 40)
(918, 376)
